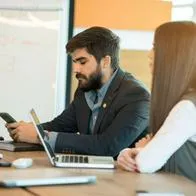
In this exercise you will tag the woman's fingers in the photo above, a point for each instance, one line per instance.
(126, 159)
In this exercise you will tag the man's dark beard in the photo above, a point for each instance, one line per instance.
(94, 81)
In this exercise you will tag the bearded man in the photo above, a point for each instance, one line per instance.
(110, 110)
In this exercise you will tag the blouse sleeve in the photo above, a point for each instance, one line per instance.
(179, 126)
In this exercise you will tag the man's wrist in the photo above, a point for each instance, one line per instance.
(38, 141)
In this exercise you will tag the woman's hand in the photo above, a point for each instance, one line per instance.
(141, 143)
(126, 159)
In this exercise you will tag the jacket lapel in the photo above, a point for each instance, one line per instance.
(83, 112)
(111, 93)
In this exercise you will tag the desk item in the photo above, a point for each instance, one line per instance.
(1, 138)
(19, 146)
(7, 117)
(147, 193)
(4, 163)
(48, 181)
(76, 161)
(22, 163)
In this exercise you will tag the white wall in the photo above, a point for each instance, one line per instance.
(32, 58)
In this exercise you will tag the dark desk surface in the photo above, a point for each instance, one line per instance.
(109, 182)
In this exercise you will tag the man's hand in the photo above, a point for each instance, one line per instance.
(23, 132)
(141, 143)
(126, 159)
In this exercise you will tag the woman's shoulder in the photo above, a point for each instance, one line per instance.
(183, 112)
(191, 96)
(184, 105)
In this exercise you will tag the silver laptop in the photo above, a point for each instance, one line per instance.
(67, 160)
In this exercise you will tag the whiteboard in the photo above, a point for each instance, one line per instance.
(32, 61)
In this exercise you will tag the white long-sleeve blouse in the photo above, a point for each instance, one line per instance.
(179, 126)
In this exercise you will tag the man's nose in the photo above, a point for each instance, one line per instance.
(76, 68)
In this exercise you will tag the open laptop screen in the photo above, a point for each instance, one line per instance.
(81, 161)
(42, 135)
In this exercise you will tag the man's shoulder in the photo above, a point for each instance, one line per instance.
(128, 87)
(131, 82)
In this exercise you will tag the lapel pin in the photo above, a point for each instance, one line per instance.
(104, 105)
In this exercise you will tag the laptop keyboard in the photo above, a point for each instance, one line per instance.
(72, 159)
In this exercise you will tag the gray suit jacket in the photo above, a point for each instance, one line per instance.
(122, 118)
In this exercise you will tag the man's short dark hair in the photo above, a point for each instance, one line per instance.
(99, 42)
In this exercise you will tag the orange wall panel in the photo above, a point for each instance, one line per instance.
(122, 14)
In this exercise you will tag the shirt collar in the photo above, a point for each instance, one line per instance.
(102, 91)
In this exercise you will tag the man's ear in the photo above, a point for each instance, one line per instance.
(106, 61)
